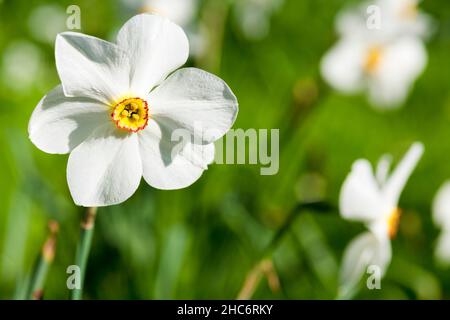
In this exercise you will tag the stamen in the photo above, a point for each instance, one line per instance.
(393, 222)
(131, 114)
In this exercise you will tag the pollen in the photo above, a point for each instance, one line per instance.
(131, 114)
(393, 221)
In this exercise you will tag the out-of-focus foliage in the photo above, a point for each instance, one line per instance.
(201, 242)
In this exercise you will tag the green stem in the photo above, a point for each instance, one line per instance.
(347, 294)
(40, 270)
(38, 279)
(83, 249)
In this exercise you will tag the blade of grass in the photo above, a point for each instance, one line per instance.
(40, 270)
(264, 268)
(84, 247)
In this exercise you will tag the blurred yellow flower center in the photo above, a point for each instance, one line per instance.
(393, 221)
(131, 114)
(373, 59)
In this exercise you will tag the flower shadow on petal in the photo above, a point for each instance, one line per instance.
(65, 120)
(86, 125)
(170, 147)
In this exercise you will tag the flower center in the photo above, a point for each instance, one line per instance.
(373, 59)
(393, 221)
(131, 114)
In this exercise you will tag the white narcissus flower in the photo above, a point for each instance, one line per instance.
(385, 62)
(372, 198)
(118, 106)
(386, 70)
(441, 217)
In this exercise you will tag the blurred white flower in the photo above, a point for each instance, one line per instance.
(21, 66)
(372, 198)
(387, 70)
(253, 16)
(117, 108)
(441, 217)
(46, 21)
(385, 62)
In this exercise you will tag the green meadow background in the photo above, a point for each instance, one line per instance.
(201, 242)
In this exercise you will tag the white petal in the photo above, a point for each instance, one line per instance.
(397, 7)
(424, 26)
(171, 164)
(341, 66)
(105, 169)
(442, 250)
(401, 63)
(399, 19)
(396, 182)
(59, 124)
(157, 47)
(441, 207)
(351, 22)
(360, 197)
(91, 67)
(383, 167)
(197, 101)
(365, 250)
